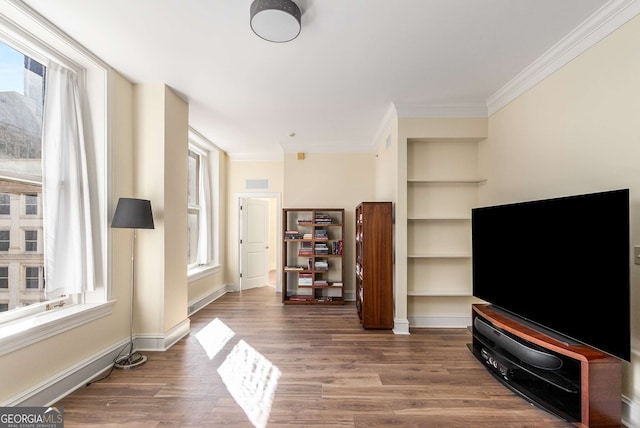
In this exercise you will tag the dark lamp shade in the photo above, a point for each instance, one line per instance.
(133, 213)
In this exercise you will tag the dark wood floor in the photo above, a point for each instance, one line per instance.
(331, 374)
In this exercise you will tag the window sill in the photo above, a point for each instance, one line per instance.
(29, 330)
(199, 272)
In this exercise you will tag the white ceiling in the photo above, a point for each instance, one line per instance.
(334, 84)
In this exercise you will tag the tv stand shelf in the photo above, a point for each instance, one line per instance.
(576, 382)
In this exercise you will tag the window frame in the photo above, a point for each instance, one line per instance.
(30, 243)
(25, 30)
(8, 240)
(209, 153)
(8, 204)
(38, 277)
(4, 277)
(26, 198)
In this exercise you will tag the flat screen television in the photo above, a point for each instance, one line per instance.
(562, 264)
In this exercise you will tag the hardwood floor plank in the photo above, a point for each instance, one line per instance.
(332, 374)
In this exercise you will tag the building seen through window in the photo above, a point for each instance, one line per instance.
(21, 106)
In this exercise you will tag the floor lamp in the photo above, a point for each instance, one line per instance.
(133, 214)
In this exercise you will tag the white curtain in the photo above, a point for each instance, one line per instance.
(204, 239)
(68, 243)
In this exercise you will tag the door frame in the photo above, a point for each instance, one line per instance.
(266, 195)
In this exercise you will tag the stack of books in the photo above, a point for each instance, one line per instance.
(305, 279)
(323, 219)
(307, 236)
(292, 234)
(305, 249)
(321, 234)
(322, 265)
(320, 283)
(301, 298)
(321, 248)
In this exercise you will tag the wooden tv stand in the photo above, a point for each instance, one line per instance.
(586, 390)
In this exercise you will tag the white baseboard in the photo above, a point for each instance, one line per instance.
(440, 321)
(196, 305)
(62, 384)
(65, 382)
(630, 413)
(400, 326)
(159, 342)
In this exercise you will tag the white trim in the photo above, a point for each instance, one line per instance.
(630, 412)
(198, 272)
(400, 326)
(603, 22)
(441, 110)
(197, 304)
(238, 199)
(66, 381)
(162, 342)
(270, 156)
(29, 330)
(440, 321)
(390, 115)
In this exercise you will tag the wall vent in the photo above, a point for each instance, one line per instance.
(256, 184)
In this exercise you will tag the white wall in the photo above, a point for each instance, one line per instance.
(577, 132)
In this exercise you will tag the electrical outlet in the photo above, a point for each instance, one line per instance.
(636, 254)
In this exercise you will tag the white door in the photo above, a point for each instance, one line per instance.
(254, 243)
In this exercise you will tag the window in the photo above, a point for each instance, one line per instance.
(4, 240)
(194, 206)
(203, 162)
(5, 201)
(4, 276)
(32, 277)
(22, 89)
(31, 204)
(35, 59)
(31, 240)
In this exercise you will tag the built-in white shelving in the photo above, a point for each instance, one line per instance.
(442, 189)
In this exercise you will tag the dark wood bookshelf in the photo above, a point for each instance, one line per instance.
(315, 276)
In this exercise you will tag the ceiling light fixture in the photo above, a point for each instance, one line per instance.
(275, 20)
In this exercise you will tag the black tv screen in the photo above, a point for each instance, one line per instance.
(561, 263)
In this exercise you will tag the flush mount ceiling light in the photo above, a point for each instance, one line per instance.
(275, 20)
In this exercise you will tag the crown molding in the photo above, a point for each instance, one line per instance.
(603, 22)
(441, 110)
(390, 115)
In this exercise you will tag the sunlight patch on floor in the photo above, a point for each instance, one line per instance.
(214, 336)
(251, 379)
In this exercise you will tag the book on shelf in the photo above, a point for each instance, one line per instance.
(301, 298)
(321, 234)
(305, 279)
(306, 249)
(307, 236)
(321, 248)
(337, 284)
(320, 283)
(304, 221)
(295, 267)
(322, 219)
(292, 234)
(322, 265)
